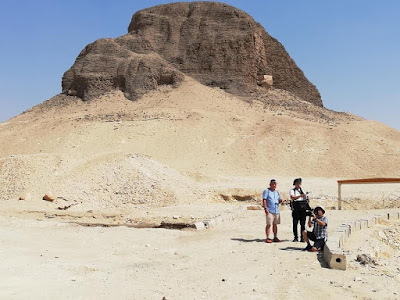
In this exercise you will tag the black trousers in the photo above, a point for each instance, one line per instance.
(299, 216)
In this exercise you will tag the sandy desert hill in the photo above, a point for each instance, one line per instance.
(184, 141)
(175, 144)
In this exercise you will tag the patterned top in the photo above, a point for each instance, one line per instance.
(320, 232)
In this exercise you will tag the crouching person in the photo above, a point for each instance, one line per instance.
(319, 233)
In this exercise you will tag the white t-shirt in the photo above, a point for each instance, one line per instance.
(296, 193)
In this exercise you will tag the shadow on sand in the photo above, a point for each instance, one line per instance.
(320, 255)
(248, 240)
(321, 260)
(253, 240)
(292, 249)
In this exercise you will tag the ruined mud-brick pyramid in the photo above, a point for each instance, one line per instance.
(214, 43)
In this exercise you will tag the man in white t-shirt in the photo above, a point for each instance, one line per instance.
(298, 199)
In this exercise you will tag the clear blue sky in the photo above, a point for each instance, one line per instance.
(348, 48)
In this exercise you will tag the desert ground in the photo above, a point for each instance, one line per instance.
(55, 258)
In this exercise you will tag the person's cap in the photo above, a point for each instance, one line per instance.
(319, 207)
(272, 181)
(297, 180)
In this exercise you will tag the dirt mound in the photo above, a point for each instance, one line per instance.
(214, 43)
(101, 181)
(193, 143)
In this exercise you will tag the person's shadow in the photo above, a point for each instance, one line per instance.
(292, 249)
(252, 240)
(248, 240)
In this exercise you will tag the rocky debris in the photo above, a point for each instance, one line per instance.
(66, 206)
(217, 44)
(49, 197)
(391, 236)
(366, 259)
(254, 207)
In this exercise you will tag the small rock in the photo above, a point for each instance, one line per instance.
(49, 197)
(382, 235)
(147, 245)
(176, 217)
(71, 93)
(358, 279)
(26, 197)
(254, 207)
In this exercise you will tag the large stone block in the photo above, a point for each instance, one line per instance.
(337, 260)
(357, 225)
(396, 214)
(199, 226)
(393, 215)
(380, 218)
(353, 226)
(334, 256)
(364, 224)
(346, 228)
(371, 221)
(209, 223)
(334, 240)
(265, 81)
(342, 238)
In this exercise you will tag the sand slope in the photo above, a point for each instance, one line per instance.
(173, 145)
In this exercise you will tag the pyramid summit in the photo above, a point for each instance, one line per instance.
(214, 43)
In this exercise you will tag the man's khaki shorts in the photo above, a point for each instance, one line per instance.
(273, 219)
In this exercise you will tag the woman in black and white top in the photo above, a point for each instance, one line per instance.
(298, 201)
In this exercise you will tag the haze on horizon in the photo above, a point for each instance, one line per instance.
(347, 49)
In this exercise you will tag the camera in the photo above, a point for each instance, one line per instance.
(309, 210)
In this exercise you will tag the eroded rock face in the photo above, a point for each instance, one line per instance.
(212, 42)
